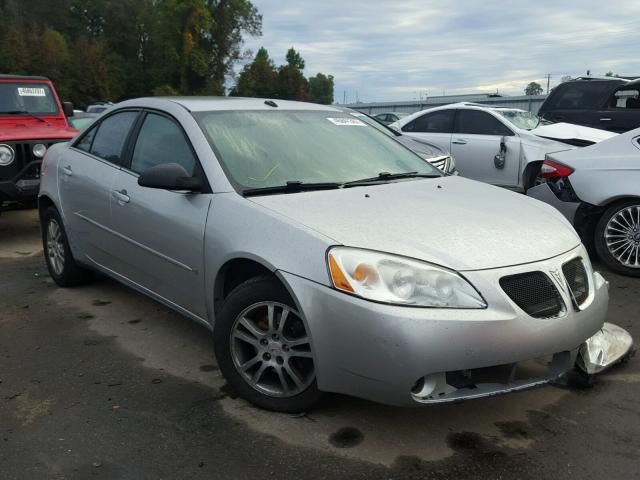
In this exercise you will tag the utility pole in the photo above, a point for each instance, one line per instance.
(344, 97)
(548, 79)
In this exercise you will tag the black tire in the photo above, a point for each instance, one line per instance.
(600, 242)
(71, 274)
(253, 291)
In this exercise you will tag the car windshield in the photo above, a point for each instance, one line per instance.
(22, 98)
(261, 149)
(522, 119)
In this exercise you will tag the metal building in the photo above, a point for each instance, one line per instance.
(531, 103)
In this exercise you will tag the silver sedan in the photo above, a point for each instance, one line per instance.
(323, 255)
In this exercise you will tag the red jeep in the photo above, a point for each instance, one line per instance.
(31, 120)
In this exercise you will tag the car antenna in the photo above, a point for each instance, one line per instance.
(271, 103)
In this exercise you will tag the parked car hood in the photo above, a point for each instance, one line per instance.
(27, 129)
(449, 221)
(569, 131)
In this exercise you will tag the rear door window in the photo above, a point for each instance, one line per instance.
(587, 94)
(440, 121)
(476, 122)
(112, 134)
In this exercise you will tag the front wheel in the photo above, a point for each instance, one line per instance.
(617, 238)
(60, 262)
(264, 349)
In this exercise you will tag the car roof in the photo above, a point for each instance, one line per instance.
(204, 104)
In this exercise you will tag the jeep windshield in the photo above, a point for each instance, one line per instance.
(27, 98)
(267, 149)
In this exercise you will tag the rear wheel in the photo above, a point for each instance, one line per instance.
(617, 237)
(264, 349)
(60, 262)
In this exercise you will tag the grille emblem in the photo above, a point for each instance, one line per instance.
(557, 276)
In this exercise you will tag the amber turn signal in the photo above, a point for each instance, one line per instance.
(338, 278)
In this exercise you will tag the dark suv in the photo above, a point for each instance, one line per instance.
(608, 103)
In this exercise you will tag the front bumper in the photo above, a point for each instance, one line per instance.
(383, 352)
(23, 186)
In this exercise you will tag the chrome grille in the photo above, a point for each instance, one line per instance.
(533, 292)
(577, 281)
(441, 163)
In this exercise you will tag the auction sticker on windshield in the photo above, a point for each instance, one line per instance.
(347, 122)
(31, 92)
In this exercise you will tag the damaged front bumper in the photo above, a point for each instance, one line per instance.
(414, 356)
(610, 345)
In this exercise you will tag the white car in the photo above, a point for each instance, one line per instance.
(497, 145)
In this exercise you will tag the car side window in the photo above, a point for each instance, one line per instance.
(579, 95)
(476, 122)
(624, 98)
(85, 142)
(112, 133)
(435, 122)
(159, 142)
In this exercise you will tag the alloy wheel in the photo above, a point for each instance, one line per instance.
(55, 247)
(622, 236)
(271, 349)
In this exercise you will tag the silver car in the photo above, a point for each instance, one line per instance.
(323, 255)
(598, 189)
(497, 145)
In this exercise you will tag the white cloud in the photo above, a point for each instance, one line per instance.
(395, 50)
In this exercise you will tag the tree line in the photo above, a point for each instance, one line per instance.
(117, 49)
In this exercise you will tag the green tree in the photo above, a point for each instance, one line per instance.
(258, 78)
(534, 88)
(610, 74)
(321, 89)
(231, 19)
(292, 84)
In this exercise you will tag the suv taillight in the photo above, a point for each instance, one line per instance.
(554, 170)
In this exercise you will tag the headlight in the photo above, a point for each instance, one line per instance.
(6, 155)
(39, 150)
(387, 278)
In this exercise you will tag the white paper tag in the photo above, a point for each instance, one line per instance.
(347, 122)
(31, 92)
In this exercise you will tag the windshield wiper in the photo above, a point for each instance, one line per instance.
(24, 112)
(293, 186)
(385, 176)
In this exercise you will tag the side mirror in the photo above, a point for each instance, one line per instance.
(394, 128)
(169, 176)
(68, 109)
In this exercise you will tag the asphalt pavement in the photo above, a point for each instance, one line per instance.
(101, 382)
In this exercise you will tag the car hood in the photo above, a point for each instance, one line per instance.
(20, 128)
(449, 221)
(569, 131)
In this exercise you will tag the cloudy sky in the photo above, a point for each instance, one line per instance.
(387, 50)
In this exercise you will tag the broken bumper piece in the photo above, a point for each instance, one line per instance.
(486, 382)
(610, 345)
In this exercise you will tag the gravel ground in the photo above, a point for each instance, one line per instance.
(101, 382)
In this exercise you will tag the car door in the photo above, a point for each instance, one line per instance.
(477, 138)
(434, 127)
(159, 234)
(86, 177)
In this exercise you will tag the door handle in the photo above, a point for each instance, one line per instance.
(67, 171)
(121, 196)
(605, 119)
(459, 141)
